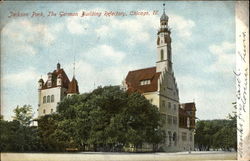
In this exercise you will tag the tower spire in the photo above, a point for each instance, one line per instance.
(164, 60)
(74, 67)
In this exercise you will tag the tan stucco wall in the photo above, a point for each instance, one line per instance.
(58, 96)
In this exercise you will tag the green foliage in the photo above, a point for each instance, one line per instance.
(216, 134)
(23, 115)
(106, 119)
(16, 135)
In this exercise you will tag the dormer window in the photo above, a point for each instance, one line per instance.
(49, 84)
(145, 82)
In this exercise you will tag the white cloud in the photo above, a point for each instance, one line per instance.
(137, 29)
(104, 53)
(181, 25)
(103, 31)
(211, 102)
(82, 25)
(26, 35)
(89, 76)
(20, 79)
(90, 71)
(225, 57)
(76, 26)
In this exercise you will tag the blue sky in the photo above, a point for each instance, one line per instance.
(106, 48)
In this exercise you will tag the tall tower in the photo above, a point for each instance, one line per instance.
(51, 92)
(164, 53)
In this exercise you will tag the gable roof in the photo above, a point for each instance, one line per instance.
(189, 106)
(55, 74)
(134, 78)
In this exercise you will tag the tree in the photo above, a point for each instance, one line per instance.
(107, 119)
(216, 134)
(15, 137)
(23, 115)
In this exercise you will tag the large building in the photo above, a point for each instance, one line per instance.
(156, 83)
(159, 86)
(51, 92)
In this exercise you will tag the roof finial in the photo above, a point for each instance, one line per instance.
(163, 7)
(58, 66)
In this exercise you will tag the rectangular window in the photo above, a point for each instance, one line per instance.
(191, 137)
(174, 107)
(44, 111)
(184, 136)
(163, 103)
(163, 116)
(174, 120)
(169, 105)
(169, 119)
(144, 82)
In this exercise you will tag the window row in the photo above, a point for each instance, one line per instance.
(169, 105)
(48, 99)
(184, 136)
(144, 82)
(172, 120)
(51, 111)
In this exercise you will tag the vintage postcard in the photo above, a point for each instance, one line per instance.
(126, 80)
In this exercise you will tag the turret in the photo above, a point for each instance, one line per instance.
(73, 87)
(40, 84)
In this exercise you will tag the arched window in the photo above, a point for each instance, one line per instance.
(162, 54)
(44, 111)
(175, 138)
(44, 99)
(52, 98)
(48, 99)
(51, 111)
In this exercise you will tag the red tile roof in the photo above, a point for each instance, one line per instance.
(189, 106)
(134, 78)
(65, 79)
(73, 86)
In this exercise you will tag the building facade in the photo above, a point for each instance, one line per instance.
(51, 92)
(159, 86)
